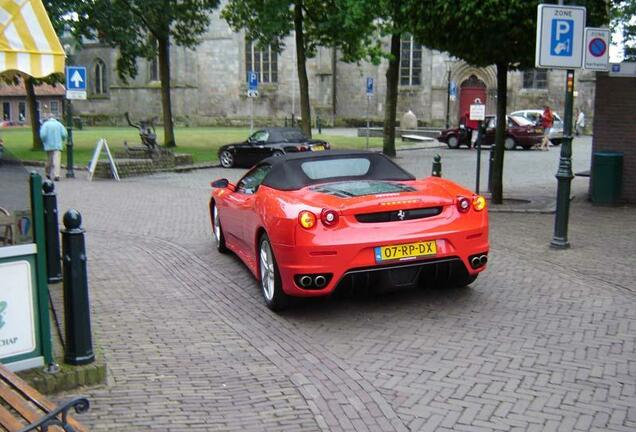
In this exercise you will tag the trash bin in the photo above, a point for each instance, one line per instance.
(606, 177)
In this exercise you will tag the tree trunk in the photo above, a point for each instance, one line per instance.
(29, 85)
(390, 102)
(500, 135)
(166, 104)
(301, 59)
(334, 86)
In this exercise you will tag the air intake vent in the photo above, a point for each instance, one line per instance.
(399, 215)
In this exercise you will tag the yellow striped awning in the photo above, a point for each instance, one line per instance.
(28, 43)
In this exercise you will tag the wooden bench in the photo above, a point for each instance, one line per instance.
(22, 408)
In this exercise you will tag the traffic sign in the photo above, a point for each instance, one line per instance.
(75, 82)
(597, 41)
(453, 89)
(477, 111)
(560, 36)
(252, 93)
(252, 81)
(369, 86)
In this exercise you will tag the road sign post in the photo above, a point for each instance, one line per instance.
(369, 94)
(252, 92)
(561, 45)
(478, 113)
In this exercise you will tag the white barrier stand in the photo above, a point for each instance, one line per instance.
(102, 144)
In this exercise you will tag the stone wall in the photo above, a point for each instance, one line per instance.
(615, 125)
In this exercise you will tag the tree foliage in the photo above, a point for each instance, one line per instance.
(623, 22)
(341, 24)
(486, 32)
(145, 29)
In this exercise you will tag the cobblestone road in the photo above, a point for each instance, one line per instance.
(544, 340)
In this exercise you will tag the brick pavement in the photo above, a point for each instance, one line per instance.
(544, 340)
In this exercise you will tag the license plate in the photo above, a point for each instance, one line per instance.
(317, 148)
(405, 251)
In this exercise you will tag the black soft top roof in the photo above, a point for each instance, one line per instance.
(287, 173)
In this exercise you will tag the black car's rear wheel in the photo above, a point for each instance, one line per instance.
(227, 159)
(270, 282)
(278, 153)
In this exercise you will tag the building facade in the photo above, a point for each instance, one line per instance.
(50, 100)
(209, 85)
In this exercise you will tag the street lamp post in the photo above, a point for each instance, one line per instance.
(448, 90)
(70, 173)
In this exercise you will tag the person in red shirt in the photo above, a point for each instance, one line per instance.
(547, 120)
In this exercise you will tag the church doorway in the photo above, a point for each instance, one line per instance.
(472, 90)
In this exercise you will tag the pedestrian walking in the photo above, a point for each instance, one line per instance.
(547, 120)
(53, 133)
(580, 122)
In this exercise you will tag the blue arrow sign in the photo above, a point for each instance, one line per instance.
(76, 78)
(369, 86)
(252, 80)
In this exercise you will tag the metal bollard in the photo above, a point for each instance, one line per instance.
(51, 233)
(293, 120)
(77, 322)
(318, 125)
(437, 166)
(285, 121)
(491, 162)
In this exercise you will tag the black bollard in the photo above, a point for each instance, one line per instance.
(318, 125)
(293, 120)
(437, 166)
(51, 233)
(77, 321)
(285, 121)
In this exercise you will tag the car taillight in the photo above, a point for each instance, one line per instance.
(302, 147)
(306, 219)
(327, 146)
(329, 218)
(479, 202)
(463, 204)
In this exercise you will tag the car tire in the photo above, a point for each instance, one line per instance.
(217, 231)
(453, 142)
(227, 159)
(510, 143)
(270, 282)
(278, 153)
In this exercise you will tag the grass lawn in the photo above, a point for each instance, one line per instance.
(201, 143)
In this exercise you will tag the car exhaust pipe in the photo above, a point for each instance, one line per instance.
(305, 281)
(320, 281)
(475, 261)
(483, 260)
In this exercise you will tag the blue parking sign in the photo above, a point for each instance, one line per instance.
(562, 37)
(369, 86)
(252, 81)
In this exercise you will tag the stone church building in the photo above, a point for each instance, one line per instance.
(209, 85)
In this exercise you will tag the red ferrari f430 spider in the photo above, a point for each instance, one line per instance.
(305, 223)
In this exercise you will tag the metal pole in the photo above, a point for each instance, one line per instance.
(251, 115)
(448, 97)
(437, 166)
(478, 171)
(368, 101)
(77, 322)
(69, 144)
(52, 232)
(564, 174)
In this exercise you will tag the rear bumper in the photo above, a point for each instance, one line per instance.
(340, 260)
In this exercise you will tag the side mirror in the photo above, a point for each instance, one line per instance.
(220, 183)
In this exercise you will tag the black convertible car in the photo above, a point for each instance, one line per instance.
(268, 142)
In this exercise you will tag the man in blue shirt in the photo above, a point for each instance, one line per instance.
(53, 133)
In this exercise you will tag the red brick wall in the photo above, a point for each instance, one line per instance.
(615, 125)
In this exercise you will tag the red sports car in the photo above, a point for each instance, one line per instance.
(306, 223)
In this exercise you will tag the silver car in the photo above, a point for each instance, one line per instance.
(534, 115)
